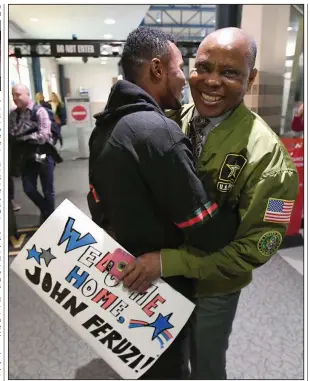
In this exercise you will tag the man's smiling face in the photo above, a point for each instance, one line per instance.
(222, 73)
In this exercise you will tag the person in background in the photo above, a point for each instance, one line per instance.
(11, 188)
(298, 120)
(40, 100)
(15, 206)
(298, 129)
(60, 114)
(33, 143)
(12, 205)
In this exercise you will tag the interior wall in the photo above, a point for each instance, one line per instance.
(20, 70)
(268, 25)
(95, 77)
(13, 33)
(50, 78)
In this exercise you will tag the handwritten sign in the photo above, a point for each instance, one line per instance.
(65, 264)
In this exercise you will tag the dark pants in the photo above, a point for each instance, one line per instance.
(11, 188)
(12, 220)
(173, 363)
(30, 173)
(210, 328)
(61, 139)
(60, 136)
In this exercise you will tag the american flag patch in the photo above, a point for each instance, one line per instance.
(279, 211)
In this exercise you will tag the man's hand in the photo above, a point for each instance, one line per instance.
(138, 275)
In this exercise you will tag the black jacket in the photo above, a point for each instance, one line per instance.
(141, 166)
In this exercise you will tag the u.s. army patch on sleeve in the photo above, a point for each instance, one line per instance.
(269, 243)
(230, 171)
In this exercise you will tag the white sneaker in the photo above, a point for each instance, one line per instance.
(16, 207)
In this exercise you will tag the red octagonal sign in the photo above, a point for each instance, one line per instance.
(79, 113)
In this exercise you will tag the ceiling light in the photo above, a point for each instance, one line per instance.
(107, 36)
(289, 28)
(34, 19)
(109, 21)
(103, 62)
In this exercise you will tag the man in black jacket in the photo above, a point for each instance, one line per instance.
(142, 170)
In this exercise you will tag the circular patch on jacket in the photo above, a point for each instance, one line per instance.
(269, 243)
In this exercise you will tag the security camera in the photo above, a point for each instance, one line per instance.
(85, 59)
(18, 53)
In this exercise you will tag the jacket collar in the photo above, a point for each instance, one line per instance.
(235, 116)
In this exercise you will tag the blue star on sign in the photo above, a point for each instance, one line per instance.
(33, 253)
(160, 325)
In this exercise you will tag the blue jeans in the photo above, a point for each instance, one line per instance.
(30, 173)
(210, 328)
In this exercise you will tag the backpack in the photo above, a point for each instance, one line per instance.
(54, 127)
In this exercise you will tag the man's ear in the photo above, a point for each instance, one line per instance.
(251, 80)
(156, 69)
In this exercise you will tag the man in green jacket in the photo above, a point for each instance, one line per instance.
(243, 165)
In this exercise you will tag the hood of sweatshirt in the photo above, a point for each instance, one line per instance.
(126, 98)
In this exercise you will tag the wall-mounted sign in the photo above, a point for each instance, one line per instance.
(80, 48)
(84, 92)
(79, 116)
(75, 49)
(78, 112)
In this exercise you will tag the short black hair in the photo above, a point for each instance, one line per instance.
(144, 44)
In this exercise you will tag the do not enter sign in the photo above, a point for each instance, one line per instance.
(79, 113)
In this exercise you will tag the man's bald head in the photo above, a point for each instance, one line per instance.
(234, 38)
(20, 87)
(224, 71)
(21, 95)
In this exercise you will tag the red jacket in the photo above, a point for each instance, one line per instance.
(298, 123)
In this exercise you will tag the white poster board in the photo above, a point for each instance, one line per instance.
(64, 263)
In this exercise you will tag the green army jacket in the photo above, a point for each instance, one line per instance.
(244, 165)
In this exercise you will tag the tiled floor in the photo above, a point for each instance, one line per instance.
(294, 257)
